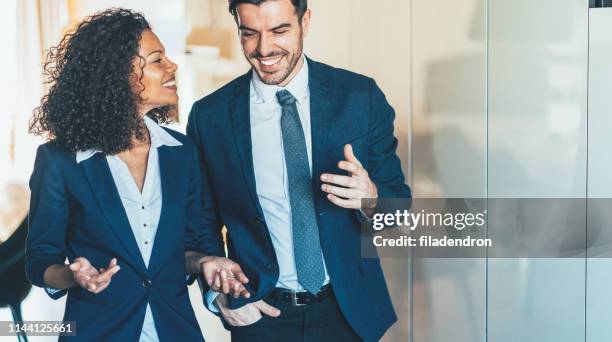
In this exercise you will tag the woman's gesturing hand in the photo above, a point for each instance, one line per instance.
(91, 279)
(224, 275)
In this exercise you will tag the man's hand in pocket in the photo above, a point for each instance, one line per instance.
(246, 315)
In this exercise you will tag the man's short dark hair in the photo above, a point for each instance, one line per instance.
(301, 6)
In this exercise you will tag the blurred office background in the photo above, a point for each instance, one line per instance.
(497, 98)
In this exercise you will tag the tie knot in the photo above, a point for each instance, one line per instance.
(285, 98)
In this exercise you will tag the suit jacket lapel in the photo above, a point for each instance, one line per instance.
(321, 118)
(103, 186)
(241, 124)
(164, 239)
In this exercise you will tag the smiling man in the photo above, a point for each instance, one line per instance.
(288, 152)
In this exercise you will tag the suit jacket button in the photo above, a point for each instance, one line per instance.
(271, 267)
(146, 283)
(259, 221)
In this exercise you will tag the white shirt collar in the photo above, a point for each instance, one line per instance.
(298, 86)
(159, 137)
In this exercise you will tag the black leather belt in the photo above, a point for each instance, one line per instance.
(300, 298)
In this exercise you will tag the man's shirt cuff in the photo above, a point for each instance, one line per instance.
(363, 217)
(210, 301)
(55, 293)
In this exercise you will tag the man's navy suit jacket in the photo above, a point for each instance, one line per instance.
(76, 211)
(346, 108)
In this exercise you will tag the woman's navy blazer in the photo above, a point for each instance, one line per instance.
(76, 211)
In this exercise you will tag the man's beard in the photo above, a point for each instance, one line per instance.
(292, 64)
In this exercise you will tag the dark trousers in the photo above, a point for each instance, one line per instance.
(316, 322)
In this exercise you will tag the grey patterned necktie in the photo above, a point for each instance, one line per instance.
(306, 244)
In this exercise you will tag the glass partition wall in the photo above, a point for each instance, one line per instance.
(511, 100)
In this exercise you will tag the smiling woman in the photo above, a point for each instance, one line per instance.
(154, 73)
(98, 91)
(115, 193)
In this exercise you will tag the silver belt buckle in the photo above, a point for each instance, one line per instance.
(294, 299)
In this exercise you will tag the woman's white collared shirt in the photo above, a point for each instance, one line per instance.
(143, 209)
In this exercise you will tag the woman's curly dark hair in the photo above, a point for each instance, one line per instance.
(91, 103)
